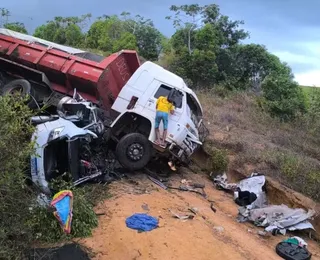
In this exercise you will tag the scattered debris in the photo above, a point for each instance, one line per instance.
(154, 175)
(43, 200)
(297, 241)
(184, 181)
(62, 202)
(263, 233)
(186, 188)
(218, 229)
(198, 186)
(145, 207)
(181, 217)
(194, 210)
(250, 195)
(279, 217)
(159, 183)
(292, 251)
(172, 166)
(221, 182)
(142, 222)
(213, 208)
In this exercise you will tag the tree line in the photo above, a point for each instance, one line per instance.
(206, 49)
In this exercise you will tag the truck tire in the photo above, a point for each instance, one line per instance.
(20, 85)
(133, 151)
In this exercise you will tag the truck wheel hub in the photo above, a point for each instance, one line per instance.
(135, 152)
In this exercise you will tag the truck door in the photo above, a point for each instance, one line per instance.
(160, 89)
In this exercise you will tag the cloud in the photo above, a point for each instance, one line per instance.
(305, 63)
(310, 78)
(288, 28)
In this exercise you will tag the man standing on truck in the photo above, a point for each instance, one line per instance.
(163, 107)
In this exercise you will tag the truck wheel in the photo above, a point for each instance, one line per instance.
(134, 151)
(20, 86)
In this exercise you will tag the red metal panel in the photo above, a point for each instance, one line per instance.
(84, 71)
(51, 61)
(4, 46)
(28, 54)
(99, 82)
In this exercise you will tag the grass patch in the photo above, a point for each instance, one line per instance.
(217, 161)
(288, 152)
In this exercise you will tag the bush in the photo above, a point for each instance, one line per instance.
(46, 227)
(22, 220)
(15, 196)
(217, 161)
(284, 98)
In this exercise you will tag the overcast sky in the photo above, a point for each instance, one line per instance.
(288, 28)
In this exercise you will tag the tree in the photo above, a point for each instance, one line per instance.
(4, 13)
(188, 17)
(16, 26)
(127, 41)
(107, 32)
(64, 30)
(210, 38)
(149, 39)
(284, 97)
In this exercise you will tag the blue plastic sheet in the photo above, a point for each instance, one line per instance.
(142, 222)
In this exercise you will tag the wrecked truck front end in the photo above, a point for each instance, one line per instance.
(57, 149)
(189, 132)
(61, 142)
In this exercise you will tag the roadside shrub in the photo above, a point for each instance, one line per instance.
(284, 98)
(22, 220)
(15, 195)
(46, 227)
(217, 161)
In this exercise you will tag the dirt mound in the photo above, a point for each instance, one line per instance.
(208, 236)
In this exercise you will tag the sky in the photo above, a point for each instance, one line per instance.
(288, 28)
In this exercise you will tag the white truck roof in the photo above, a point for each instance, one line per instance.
(32, 39)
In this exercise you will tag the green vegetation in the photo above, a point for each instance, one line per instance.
(217, 161)
(206, 50)
(248, 93)
(22, 219)
(288, 151)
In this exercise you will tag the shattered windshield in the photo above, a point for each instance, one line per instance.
(194, 110)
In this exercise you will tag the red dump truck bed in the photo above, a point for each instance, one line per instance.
(98, 79)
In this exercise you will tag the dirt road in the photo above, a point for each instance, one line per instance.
(208, 236)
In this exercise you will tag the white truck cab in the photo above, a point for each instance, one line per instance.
(138, 99)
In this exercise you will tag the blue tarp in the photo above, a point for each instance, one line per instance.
(142, 222)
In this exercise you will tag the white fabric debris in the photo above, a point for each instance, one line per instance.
(32, 39)
(273, 217)
(221, 182)
(301, 241)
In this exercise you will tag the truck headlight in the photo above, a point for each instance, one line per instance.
(55, 133)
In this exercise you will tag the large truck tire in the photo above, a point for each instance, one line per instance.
(23, 86)
(134, 151)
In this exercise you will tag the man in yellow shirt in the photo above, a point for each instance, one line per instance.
(163, 107)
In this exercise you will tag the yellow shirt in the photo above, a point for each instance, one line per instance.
(164, 105)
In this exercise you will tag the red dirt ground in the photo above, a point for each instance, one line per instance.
(198, 239)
